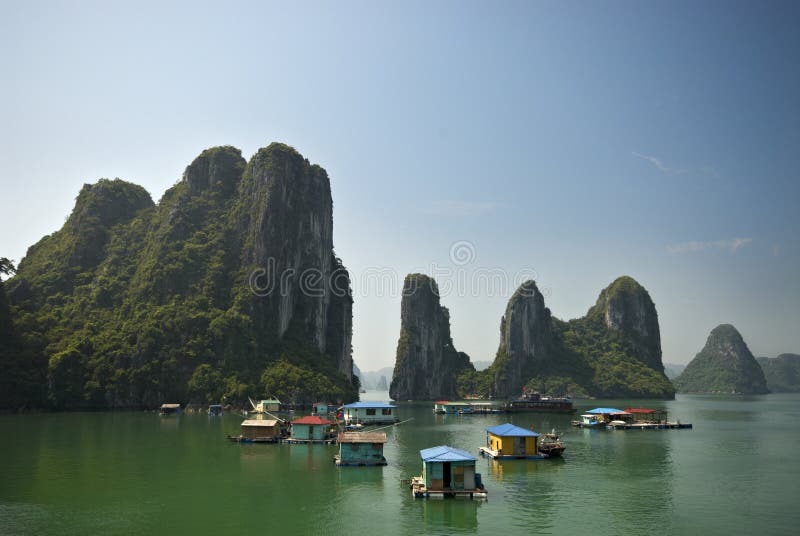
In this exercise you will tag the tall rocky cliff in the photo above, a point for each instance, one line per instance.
(427, 364)
(289, 237)
(527, 340)
(615, 350)
(782, 373)
(625, 306)
(229, 276)
(724, 365)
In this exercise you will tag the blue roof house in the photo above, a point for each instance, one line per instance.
(508, 441)
(447, 472)
(369, 413)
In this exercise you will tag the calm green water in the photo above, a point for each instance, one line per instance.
(737, 472)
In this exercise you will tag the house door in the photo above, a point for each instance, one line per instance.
(447, 475)
(519, 446)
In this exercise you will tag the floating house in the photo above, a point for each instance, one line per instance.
(486, 407)
(259, 431)
(215, 410)
(311, 429)
(360, 448)
(507, 441)
(271, 405)
(369, 413)
(323, 409)
(642, 415)
(534, 402)
(169, 409)
(442, 407)
(448, 472)
(600, 417)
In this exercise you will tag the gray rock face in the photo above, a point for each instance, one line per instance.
(218, 166)
(427, 365)
(299, 286)
(526, 340)
(625, 306)
(724, 365)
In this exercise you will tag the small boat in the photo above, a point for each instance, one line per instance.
(589, 420)
(215, 410)
(169, 409)
(354, 427)
(550, 445)
(618, 425)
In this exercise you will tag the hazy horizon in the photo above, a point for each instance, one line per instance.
(572, 143)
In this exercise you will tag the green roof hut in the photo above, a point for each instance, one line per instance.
(360, 448)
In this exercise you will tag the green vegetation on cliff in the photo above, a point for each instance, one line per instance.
(782, 373)
(132, 304)
(724, 365)
(613, 351)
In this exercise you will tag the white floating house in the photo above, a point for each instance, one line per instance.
(369, 413)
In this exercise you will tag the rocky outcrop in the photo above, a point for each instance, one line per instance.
(625, 307)
(724, 365)
(299, 284)
(427, 364)
(526, 340)
(220, 167)
(613, 351)
(195, 298)
(782, 373)
(99, 207)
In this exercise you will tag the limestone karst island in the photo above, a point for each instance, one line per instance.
(414, 268)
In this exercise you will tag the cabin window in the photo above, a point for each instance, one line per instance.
(386, 411)
(370, 411)
(458, 476)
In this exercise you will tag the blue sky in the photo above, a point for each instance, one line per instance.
(576, 141)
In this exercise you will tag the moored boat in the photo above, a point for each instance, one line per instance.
(534, 402)
(550, 444)
(169, 409)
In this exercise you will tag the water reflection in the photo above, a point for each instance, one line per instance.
(361, 477)
(511, 470)
(455, 515)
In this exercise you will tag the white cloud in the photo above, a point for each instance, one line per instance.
(667, 170)
(732, 245)
(460, 208)
(653, 160)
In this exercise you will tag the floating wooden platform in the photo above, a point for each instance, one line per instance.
(652, 426)
(292, 440)
(419, 491)
(489, 453)
(242, 439)
(340, 463)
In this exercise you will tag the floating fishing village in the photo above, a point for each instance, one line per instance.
(357, 429)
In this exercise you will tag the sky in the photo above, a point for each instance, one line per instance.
(483, 143)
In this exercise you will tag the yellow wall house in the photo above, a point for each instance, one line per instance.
(509, 441)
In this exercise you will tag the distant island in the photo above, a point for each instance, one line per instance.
(782, 373)
(725, 365)
(198, 298)
(673, 370)
(614, 351)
